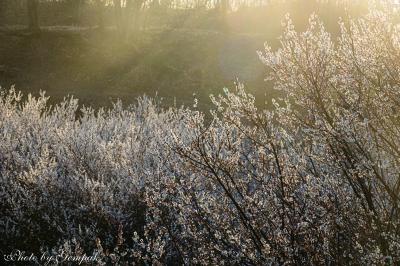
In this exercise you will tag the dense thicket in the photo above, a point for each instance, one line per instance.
(315, 181)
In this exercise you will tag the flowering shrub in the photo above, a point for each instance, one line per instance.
(314, 181)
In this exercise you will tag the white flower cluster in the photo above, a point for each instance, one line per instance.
(314, 181)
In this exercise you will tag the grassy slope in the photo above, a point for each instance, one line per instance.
(98, 66)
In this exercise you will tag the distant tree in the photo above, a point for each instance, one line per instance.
(2, 8)
(224, 6)
(118, 13)
(100, 13)
(132, 13)
(78, 10)
(33, 20)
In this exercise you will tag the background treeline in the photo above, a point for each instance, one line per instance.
(135, 14)
(174, 48)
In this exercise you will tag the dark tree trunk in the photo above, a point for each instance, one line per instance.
(131, 16)
(2, 9)
(224, 5)
(33, 19)
(78, 11)
(134, 7)
(118, 15)
(100, 14)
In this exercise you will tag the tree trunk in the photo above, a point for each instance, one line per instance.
(33, 19)
(78, 11)
(224, 5)
(100, 14)
(2, 10)
(118, 15)
(131, 18)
